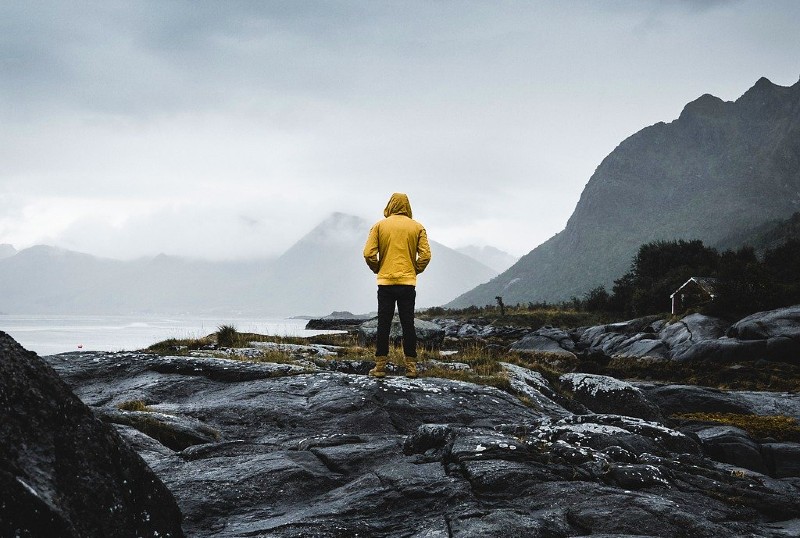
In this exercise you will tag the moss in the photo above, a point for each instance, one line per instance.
(778, 427)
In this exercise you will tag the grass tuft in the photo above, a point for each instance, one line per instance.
(227, 336)
(134, 405)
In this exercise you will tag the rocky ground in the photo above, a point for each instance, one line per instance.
(313, 447)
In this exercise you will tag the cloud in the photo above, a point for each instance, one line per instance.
(130, 126)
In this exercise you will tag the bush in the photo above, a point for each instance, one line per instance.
(227, 336)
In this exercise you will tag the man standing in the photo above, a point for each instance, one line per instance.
(397, 251)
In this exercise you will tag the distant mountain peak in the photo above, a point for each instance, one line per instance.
(705, 105)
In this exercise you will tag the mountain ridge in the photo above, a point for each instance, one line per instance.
(719, 169)
(323, 271)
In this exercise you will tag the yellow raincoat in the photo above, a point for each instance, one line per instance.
(397, 247)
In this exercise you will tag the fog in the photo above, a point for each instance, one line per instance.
(228, 130)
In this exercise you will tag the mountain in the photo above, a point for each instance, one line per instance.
(325, 271)
(721, 169)
(49, 280)
(489, 256)
(766, 236)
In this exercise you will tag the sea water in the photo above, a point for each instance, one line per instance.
(52, 334)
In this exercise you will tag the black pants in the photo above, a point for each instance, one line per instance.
(404, 296)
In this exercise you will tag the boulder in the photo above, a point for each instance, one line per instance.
(781, 459)
(722, 350)
(783, 322)
(674, 399)
(694, 328)
(429, 335)
(546, 339)
(603, 394)
(730, 444)
(65, 473)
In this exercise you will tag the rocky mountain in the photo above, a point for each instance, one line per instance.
(490, 256)
(720, 169)
(323, 272)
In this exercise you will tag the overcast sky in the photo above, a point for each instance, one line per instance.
(229, 129)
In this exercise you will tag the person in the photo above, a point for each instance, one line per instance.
(397, 251)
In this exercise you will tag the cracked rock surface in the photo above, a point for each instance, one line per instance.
(294, 453)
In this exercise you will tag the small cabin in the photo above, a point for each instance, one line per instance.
(694, 292)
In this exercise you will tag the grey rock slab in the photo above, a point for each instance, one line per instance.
(534, 386)
(429, 334)
(783, 322)
(692, 329)
(603, 394)
(673, 399)
(546, 339)
(334, 454)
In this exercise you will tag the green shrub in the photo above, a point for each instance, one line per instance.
(227, 336)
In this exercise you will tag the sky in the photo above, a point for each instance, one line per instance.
(228, 130)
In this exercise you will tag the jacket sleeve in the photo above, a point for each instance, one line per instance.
(423, 252)
(371, 250)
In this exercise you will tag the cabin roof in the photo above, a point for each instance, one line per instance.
(706, 283)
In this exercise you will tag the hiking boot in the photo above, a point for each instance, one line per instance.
(411, 367)
(380, 367)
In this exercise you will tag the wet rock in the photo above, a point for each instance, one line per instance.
(783, 322)
(674, 399)
(731, 445)
(547, 339)
(781, 459)
(692, 329)
(429, 335)
(172, 431)
(535, 387)
(334, 454)
(63, 472)
(603, 394)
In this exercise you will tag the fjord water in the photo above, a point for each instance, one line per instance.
(51, 334)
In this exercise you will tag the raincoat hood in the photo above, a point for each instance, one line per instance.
(398, 205)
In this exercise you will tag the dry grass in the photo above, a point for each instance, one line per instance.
(134, 405)
(778, 427)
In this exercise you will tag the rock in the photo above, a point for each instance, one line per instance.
(334, 324)
(632, 338)
(781, 459)
(172, 431)
(783, 322)
(730, 445)
(674, 399)
(62, 471)
(694, 328)
(603, 394)
(334, 454)
(547, 339)
(534, 386)
(723, 350)
(429, 335)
